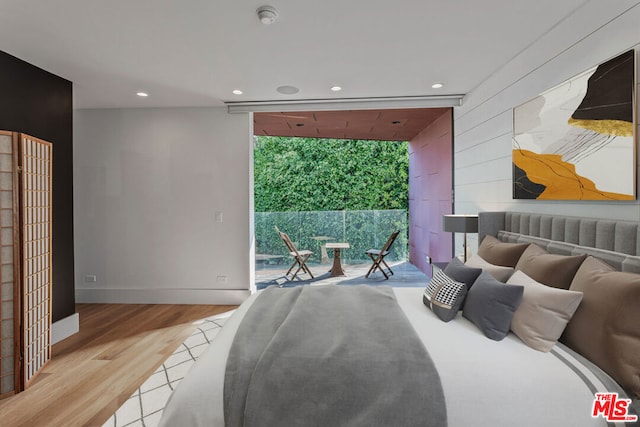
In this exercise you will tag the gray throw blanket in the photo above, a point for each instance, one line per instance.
(330, 356)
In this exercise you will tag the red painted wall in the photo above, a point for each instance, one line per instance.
(430, 187)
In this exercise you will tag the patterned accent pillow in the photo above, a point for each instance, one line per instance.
(444, 296)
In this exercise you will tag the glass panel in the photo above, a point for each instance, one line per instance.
(363, 230)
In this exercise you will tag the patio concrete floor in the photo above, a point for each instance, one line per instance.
(405, 274)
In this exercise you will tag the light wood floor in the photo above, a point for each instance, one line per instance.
(96, 370)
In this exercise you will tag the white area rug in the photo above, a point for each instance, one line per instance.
(144, 408)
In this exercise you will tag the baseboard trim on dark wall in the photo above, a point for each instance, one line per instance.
(38, 103)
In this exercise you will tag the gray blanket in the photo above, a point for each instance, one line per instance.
(330, 356)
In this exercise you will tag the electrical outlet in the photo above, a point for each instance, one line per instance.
(90, 278)
(218, 216)
(221, 279)
(428, 259)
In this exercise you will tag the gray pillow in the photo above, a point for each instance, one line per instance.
(444, 296)
(461, 273)
(490, 305)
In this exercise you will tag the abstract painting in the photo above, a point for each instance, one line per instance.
(577, 140)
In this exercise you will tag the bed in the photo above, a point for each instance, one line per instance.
(485, 375)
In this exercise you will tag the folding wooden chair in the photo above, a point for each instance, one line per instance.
(299, 257)
(377, 257)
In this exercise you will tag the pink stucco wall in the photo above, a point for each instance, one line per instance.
(430, 186)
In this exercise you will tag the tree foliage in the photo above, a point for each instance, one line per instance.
(310, 174)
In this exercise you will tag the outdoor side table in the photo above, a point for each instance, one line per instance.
(337, 270)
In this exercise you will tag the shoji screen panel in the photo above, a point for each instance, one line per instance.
(35, 213)
(25, 259)
(9, 332)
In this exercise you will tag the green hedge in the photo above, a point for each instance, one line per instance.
(310, 174)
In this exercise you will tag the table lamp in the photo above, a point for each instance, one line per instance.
(460, 224)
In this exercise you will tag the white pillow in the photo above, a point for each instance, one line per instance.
(499, 272)
(544, 312)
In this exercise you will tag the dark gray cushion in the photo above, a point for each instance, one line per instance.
(490, 305)
(444, 296)
(461, 273)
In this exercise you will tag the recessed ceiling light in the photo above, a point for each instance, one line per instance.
(287, 90)
(336, 88)
(237, 92)
(142, 94)
(437, 85)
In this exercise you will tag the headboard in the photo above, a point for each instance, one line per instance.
(615, 242)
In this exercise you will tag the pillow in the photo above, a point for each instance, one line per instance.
(500, 272)
(543, 313)
(549, 269)
(500, 253)
(490, 305)
(461, 273)
(605, 328)
(444, 296)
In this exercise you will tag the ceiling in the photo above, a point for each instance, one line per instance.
(383, 125)
(194, 53)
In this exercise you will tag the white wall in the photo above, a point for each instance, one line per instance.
(147, 186)
(483, 125)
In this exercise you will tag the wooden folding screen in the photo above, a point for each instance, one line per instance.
(36, 253)
(9, 333)
(25, 259)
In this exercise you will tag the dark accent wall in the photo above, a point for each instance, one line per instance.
(39, 103)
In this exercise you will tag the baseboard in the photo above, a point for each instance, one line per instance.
(64, 328)
(162, 296)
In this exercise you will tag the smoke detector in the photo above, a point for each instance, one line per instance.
(267, 14)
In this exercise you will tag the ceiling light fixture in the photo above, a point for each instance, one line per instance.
(336, 88)
(236, 92)
(267, 14)
(437, 85)
(287, 90)
(142, 94)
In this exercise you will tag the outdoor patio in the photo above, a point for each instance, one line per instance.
(405, 274)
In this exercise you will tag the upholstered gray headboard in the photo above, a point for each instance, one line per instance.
(615, 242)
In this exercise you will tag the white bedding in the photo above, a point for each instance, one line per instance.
(485, 382)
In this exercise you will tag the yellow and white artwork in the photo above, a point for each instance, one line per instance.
(576, 141)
